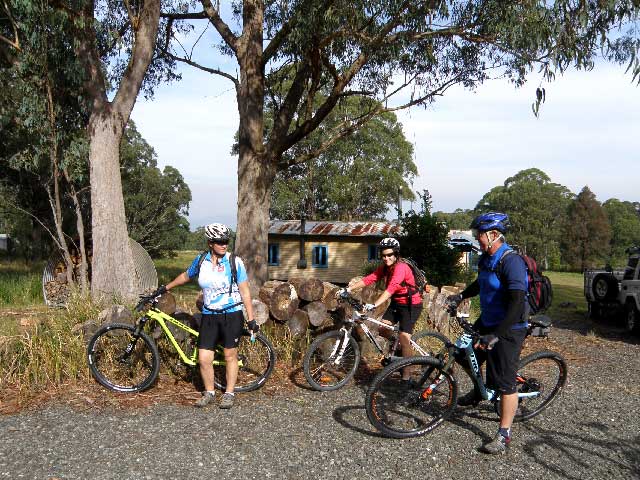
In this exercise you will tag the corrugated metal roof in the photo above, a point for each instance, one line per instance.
(352, 229)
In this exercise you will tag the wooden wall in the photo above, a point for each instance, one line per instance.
(346, 257)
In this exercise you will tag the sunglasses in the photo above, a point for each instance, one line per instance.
(388, 255)
(219, 242)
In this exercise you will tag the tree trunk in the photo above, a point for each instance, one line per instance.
(284, 302)
(256, 170)
(113, 272)
(317, 313)
(298, 323)
(311, 290)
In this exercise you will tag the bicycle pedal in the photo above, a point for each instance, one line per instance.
(385, 361)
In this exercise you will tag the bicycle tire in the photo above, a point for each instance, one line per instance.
(398, 409)
(320, 367)
(545, 371)
(434, 343)
(258, 359)
(107, 362)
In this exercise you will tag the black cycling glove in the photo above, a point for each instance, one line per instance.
(253, 326)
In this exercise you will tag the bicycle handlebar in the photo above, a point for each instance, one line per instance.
(345, 296)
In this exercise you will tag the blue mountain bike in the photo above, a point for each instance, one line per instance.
(403, 409)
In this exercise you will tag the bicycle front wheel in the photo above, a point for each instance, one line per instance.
(331, 361)
(408, 408)
(257, 360)
(120, 361)
(543, 376)
(433, 344)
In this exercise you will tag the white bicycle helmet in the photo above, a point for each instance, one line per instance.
(390, 243)
(217, 232)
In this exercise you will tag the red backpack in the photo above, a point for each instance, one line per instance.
(540, 291)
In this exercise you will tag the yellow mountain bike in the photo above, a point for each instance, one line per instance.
(125, 358)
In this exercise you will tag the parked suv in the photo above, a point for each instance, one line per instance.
(611, 291)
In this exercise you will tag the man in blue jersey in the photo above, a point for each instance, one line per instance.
(222, 318)
(502, 286)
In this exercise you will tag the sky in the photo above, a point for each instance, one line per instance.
(587, 133)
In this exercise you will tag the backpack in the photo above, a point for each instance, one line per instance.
(232, 262)
(419, 277)
(540, 291)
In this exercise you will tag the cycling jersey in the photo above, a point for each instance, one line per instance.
(215, 281)
(401, 274)
(493, 292)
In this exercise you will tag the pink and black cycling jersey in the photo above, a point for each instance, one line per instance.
(396, 282)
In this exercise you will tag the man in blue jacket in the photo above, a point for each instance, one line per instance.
(502, 286)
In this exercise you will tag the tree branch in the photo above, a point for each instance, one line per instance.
(223, 29)
(15, 43)
(213, 71)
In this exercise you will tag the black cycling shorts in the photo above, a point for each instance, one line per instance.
(404, 315)
(502, 360)
(221, 328)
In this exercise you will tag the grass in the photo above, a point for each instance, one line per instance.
(48, 349)
(20, 284)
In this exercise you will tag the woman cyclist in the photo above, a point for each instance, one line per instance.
(406, 301)
(222, 318)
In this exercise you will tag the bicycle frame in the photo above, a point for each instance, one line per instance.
(359, 319)
(162, 319)
(464, 344)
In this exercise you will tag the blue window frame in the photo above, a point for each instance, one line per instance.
(274, 254)
(320, 256)
(373, 252)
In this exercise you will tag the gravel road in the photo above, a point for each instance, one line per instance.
(591, 432)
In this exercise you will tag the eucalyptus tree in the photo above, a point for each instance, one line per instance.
(356, 178)
(624, 219)
(537, 209)
(400, 53)
(42, 118)
(587, 233)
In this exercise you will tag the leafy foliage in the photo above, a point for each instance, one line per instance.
(624, 218)
(425, 240)
(356, 178)
(459, 219)
(536, 208)
(586, 232)
(156, 203)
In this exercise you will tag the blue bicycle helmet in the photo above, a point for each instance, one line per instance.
(491, 221)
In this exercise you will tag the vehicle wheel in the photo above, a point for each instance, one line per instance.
(433, 343)
(328, 363)
(604, 287)
(120, 361)
(543, 373)
(404, 409)
(257, 361)
(632, 319)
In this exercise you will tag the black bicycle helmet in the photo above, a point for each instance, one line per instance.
(491, 221)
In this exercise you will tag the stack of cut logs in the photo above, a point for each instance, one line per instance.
(302, 303)
(57, 289)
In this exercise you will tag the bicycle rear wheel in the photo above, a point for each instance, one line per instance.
(543, 373)
(329, 363)
(258, 359)
(120, 361)
(404, 409)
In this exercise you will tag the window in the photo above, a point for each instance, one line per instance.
(274, 254)
(373, 252)
(630, 269)
(320, 256)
